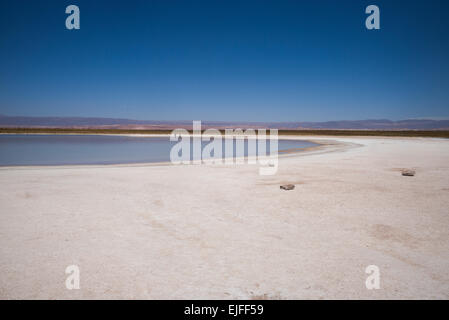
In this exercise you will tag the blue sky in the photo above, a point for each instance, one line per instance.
(225, 60)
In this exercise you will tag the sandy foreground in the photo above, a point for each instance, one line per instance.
(226, 232)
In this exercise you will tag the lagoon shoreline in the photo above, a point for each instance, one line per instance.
(282, 152)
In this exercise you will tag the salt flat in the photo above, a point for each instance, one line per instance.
(225, 232)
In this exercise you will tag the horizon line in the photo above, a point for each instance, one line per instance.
(231, 121)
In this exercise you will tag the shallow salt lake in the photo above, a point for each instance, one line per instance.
(28, 149)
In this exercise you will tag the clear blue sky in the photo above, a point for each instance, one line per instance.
(225, 60)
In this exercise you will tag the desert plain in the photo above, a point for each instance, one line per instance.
(225, 232)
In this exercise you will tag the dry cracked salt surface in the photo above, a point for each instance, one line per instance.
(226, 232)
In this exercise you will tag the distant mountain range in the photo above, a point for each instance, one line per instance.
(114, 123)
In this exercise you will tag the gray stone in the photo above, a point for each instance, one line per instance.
(408, 172)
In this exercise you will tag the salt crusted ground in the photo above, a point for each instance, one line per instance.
(208, 231)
